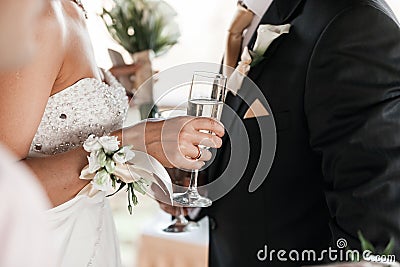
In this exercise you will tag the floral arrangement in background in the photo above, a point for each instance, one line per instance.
(145, 28)
(140, 25)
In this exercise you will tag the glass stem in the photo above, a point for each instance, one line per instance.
(193, 181)
(181, 217)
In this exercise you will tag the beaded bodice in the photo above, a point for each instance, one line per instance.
(87, 107)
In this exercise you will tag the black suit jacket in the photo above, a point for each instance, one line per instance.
(333, 85)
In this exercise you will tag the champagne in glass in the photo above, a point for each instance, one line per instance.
(205, 108)
(206, 99)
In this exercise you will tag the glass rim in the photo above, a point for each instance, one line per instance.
(209, 74)
(171, 111)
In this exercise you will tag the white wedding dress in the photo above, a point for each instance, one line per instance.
(83, 226)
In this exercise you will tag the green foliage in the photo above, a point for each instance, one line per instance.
(140, 25)
(366, 245)
(389, 248)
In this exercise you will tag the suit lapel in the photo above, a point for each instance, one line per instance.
(280, 12)
(287, 9)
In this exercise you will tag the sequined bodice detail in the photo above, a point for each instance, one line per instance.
(87, 107)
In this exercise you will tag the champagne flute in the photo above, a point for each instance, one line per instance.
(180, 224)
(206, 99)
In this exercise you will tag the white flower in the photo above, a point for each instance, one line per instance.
(92, 143)
(94, 163)
(102, 181)
(123, 174)
(85, 174)
(109, 143)
(266, 34)
(123, 155)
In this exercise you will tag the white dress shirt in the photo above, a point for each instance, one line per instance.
(258, 7)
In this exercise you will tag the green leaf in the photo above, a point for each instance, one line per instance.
(119, 189)
(113, 181)
(389, 248)
(102, 158)
(139, 188)
(134, 197)
(365, 244)
(129, 198)
(152, 23)
(110, 165)
(130, 209)
(144, 181)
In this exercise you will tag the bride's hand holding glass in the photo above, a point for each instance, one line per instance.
(175, 142)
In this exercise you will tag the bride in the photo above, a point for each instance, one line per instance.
(48, 109)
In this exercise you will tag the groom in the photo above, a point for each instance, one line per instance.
(333, 85)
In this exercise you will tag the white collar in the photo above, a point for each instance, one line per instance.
(258, 7)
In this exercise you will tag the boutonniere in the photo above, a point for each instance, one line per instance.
(266, 34)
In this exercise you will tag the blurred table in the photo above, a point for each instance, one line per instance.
(160, 249)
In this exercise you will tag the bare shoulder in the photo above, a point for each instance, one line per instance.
(49, 45)
(52, 32)
(25, 92)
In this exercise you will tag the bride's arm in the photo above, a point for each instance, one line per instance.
(24, 95)
(24, 98)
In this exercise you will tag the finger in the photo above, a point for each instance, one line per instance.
(200, 138)
(174, 210)
(169, 209)
(209, 124)
(181, 161)
(189, 164)
(206, 155)
(207, 140)
(198, 153)
(189, 150)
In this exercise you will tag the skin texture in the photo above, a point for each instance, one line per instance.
(64, 56)
(16, 43)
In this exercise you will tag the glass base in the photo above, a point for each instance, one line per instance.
(181, 227)
(192, 199)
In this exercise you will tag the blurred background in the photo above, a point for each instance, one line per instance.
(202, 26)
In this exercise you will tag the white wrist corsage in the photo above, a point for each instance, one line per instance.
(106, 160)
